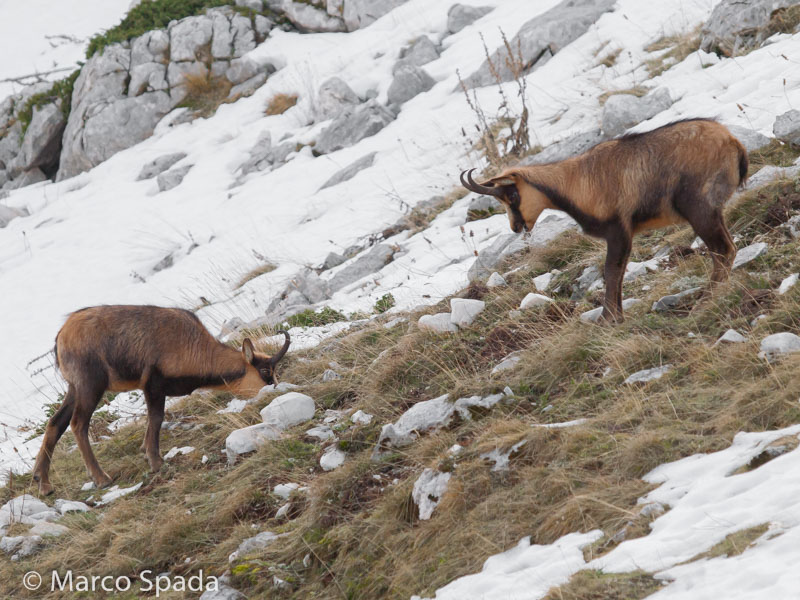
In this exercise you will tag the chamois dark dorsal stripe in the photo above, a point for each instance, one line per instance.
(590, 224)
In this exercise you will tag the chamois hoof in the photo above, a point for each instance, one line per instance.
(155, 465)
(45, 488)
(103, 481)
(606, 318)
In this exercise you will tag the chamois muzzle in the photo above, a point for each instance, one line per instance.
(274, 360)
(476, 187)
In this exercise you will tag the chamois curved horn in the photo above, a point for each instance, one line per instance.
(274, 360)
(473, 186)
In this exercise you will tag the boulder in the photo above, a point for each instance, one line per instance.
(350, 170)
(463, 311)
(496, 280)
(787, 127)
(460, 15)
(172, 178)
(541, 37)
(775, 345)
(623, 111)
(750, 138)
(420, 52)
(248, 439)
(41, 145)
(310, 19)
(490, 257)
(409, 81)
(368, 263)
(542, 282)
(566, 148)
(352, 126)
(648, 375)
(46, 529)
(749, 253)
(358, 14)
(332, 458)
(334, 97)
(533, 300)
(735, 25)
(187, 37)
(159, 165)
(428, 490)
(288, 410)
(248, 88)
(438, 323)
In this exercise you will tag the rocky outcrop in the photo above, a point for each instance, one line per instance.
(333, 98)
(737, 25)
(350, 170)
(787, 127)
(420, 52)
(460, 15)
(566, 148)
(358, 14)
(541, 37)
(409, 81)
(623, 111)
(312, 16)
(353, 125)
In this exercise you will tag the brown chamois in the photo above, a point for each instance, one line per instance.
(682, 172)
(161, 351)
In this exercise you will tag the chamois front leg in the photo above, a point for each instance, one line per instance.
(619, 243)
(56, 426)
(154, 397)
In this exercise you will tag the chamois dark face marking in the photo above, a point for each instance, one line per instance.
(680, 172)
(162, 351)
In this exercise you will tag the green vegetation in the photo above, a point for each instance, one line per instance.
(312, 318)
(61, 91)
(384, 303)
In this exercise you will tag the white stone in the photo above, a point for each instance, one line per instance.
(116, 492)
(420, 418)
(320, 432)
(284, 490)
(175, 451)
(730, 337)
(89, 485)
(648, 374)
(204, 459)
(361, 418)
(788, 283)
(777, 344)
(236, 405)
(533, 300)
(749, 253)
(464, 311)
(428, 490)
(500, 457)
(48, 529)
(592, 316)
(247, 439)
(438, 323)
(288, 410)
(330, 375)
(463, 405)
(332, 458)
(257, 542)
(283, 511)
(509, 362)
(455, 450)
(21, 506)
(65, 506)
(542, 282)
(496, 280)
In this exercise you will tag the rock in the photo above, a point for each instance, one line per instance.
(241, 69)
(792, 226)
(438, 323)
(509, 362)
(332, 458)
(288, 410)
(593, 316)
(541, 37)
(175, 451)
(731, 336)
(464, 406)
(322, 433)
(310, 285)
(309, 19)
(248, 88)
(284, 490)
(485, 204)
(89, 485)
(787, 127)
(669, 302)
(409, 81)
(463, 311)
(501, 458)
(41, 146)
(460, 15)
(775, 345)
(257, 542)
(566, 148)
(248, 439)
(368, 263)
(350, 170)
(648, 374)
(9, 213)
(352, 126)
(735, 25)
(788, 283)
(496, 280)
(159, 165)
(330, 375)
(116, 492)
(420, 52)
(769, 174)
(332, 260)
(750, 138)
(634, 270)
(490, 256)
(542, 282)
(358, 14)
(21, 506)
(172, 178)
(361, 418)
(66, 506)
(333, 98)
(428, 490)
(21, 546)
(532, 300)
(222, 592)
(187, 36)
(429, 415)
(590, 279)
(31, 177)
(48, 529)
(623, 111)
(749, 253)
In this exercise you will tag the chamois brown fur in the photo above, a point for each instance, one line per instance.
(161, 351)
(682, 172)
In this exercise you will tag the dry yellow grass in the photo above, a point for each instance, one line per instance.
(280, 103)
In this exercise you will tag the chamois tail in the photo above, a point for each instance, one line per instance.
(744, 163)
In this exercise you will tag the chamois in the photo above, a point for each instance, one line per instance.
(682, 172)
(162, 351)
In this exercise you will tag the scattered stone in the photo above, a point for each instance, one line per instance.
(248, 439)
(21, 546)
(409, 81)
(496, 280)
(235, 406)
(310, 19)
(223, 592)
(367, 263)
(332, 260)
(332, 458)
(330, 375)
(284, 490)
(731, 336)
(358, 14)
(257, 542)
(509, 362)
(502, 458)
(750, 138)
(428, 490)
(422, 417)
(361, 418)
(648, 374)
(352, 126)
(333, 98)
(175, 451)
(634, 270)
(788, 283)
(283, 511)
(322, 433)
(116, 492)
(22, 506)
(787, 127)
(490, 256)
(590, 279)
(542, 282)
(463, 311)
(463, 405)
(775, 345)
(350, 170)
(159, 165)
(623, 111)
(46, 529)
(172, 178)
(652, 509)
(420, 52)
(460, 15)
(749, 253)
(438, 323)
(89, 485)
(288, 410)
(593, 316)
(533, 300)
(669, 302)
(66, 506)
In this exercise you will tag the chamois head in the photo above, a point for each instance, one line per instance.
(522, 202)
(261, 368)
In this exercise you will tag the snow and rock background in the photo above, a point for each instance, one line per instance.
(141, 204)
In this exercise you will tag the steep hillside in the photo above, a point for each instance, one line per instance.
(528, 451)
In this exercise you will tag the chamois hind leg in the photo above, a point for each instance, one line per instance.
(619, 250)
(56, 426)
(712, 230)
(155, 398)
(87, 397)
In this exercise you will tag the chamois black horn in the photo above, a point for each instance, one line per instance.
(274, 360)
(473, 186)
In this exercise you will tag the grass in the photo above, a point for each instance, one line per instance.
(637, 91)
(258, 271)
(204, 93)
(672, 50)
(314, 318)
(775, 153)
(356, 534)
(280, 103)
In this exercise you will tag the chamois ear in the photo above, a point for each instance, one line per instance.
(493, 187)
(501, 181)
(248, 351)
